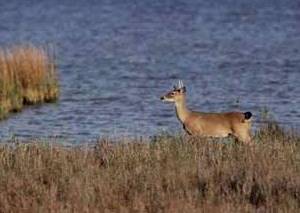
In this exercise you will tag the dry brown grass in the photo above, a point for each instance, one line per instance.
(27, 76)
(165, 174)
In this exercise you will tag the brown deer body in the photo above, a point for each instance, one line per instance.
(205, 124)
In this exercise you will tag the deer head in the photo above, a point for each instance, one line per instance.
(175, 95)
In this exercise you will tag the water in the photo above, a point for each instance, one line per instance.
(117, 57)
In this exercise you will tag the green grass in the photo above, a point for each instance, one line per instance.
(164, 174)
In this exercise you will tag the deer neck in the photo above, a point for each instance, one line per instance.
(182, 111)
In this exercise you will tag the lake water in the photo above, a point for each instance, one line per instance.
(116, 58)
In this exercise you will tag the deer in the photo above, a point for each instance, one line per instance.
(209, 124)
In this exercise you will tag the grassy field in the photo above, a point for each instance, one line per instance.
(27, 76)
(162, 174)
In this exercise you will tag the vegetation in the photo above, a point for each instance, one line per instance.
(161, 174)
(27, 76)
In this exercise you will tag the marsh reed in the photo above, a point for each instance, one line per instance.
(163, 174)
(27, 76)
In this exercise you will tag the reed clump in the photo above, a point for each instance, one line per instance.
(164, 174)
(27, 76)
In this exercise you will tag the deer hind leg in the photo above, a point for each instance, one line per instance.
(242, 132)
(243, 136)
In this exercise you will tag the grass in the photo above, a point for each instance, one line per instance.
(27, 76)
(162, 174)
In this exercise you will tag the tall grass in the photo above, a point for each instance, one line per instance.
(165, 174)
(27, 76)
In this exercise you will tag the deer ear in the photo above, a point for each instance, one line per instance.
(183, 89)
